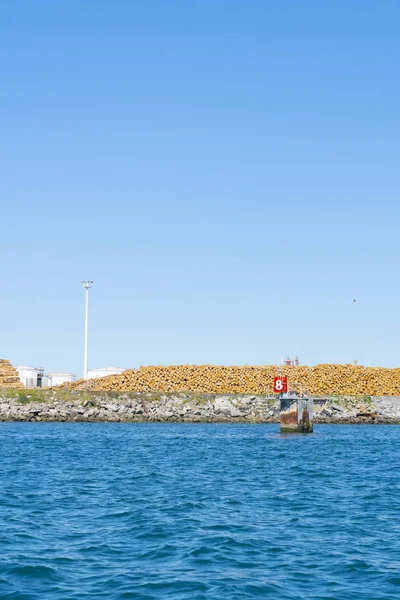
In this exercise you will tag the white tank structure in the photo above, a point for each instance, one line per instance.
(31, 377)
(60, 378)
(104, 372)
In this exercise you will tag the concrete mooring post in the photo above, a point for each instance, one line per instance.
(296, 413)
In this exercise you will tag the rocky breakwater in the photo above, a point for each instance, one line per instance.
(65, 405)
(354, 409)
(59, 404)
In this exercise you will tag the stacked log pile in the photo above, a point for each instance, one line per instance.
(318, 380)
(8, 375)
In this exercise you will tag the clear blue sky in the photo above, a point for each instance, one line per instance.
(226, 171)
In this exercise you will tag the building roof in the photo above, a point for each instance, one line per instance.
(107, 369)
(61, 374)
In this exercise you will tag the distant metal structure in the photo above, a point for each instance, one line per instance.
(87, 285)
(296, 410)
(290, 362)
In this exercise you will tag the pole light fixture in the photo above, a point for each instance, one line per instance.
(87, 285)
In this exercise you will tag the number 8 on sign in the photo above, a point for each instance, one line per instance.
(280, 385)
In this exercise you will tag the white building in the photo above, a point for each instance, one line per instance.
(60, 378)
(30, 376)
(96, 373)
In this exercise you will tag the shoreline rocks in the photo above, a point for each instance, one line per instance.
(62, 405)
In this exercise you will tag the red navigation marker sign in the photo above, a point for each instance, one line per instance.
(280, 384)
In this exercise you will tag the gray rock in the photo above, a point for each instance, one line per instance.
(223, 403)
(235, 413)
(244, 412)
(326, 412)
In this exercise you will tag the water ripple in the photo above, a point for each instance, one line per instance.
(219, 512)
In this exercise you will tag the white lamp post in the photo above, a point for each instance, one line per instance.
(87, 285)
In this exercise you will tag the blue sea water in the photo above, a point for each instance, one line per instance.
(181, 511)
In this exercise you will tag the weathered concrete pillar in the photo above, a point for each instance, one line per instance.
(296, 414)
